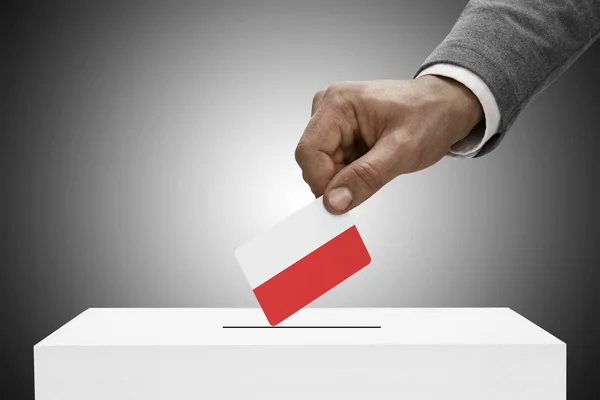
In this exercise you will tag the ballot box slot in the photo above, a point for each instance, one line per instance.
(302, 327)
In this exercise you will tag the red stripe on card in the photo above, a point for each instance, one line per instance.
(312, 276)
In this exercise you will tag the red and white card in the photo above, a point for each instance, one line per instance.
(301, 258)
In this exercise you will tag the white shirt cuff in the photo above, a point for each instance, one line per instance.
(470, 146)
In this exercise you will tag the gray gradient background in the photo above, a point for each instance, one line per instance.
(144, 142)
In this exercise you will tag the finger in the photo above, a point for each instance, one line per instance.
(320, 152)
(361, 179)
(317, 168)
(317, 101)
(314, 155)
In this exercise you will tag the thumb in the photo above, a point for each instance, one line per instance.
(358, 181)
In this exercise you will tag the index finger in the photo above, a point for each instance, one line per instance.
(317, 152)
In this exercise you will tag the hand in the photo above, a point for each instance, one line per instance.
(364, 134)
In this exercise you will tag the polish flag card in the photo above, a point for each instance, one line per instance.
(301, 258)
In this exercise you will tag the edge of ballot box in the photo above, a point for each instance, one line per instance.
(352, 353)
(236, 326)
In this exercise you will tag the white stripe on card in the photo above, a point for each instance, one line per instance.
(287, 242)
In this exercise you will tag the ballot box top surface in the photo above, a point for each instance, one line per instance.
(310, 326)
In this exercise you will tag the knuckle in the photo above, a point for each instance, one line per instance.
(341, 94)
(369, 175)
(339, 100)
(300, 153)
(317, 97)
(304, 176)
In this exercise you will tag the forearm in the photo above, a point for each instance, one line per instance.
(518, 47)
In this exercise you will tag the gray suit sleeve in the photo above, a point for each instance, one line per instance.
(518, 48)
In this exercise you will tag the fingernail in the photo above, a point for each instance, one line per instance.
(340, 198)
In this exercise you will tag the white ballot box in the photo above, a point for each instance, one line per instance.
(343, 353)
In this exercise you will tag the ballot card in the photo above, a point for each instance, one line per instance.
(301, 258)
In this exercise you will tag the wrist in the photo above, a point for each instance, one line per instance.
(463, 105)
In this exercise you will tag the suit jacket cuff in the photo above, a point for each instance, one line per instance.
(472, 144)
